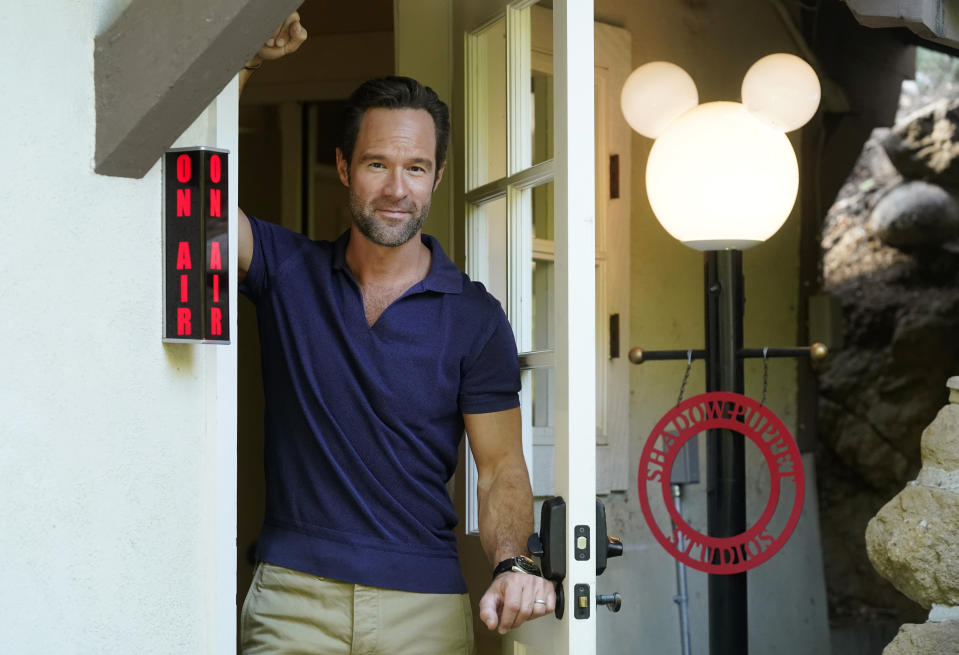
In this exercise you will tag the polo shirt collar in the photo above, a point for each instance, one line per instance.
(443, 275)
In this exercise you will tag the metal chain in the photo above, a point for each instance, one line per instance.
(765, 375)
(689, 366)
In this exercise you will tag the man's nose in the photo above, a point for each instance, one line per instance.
(396, 186)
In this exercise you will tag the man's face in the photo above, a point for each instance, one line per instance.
(392, 175)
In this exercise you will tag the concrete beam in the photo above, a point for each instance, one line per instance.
(933, 20)
(161, 63)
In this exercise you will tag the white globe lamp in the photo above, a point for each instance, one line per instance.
(720, 178)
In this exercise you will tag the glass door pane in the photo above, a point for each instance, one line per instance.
(541, 83)
(487, 101)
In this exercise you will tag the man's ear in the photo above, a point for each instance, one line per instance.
(342, 168)
(439, 176)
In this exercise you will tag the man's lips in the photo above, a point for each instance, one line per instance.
(393, 213)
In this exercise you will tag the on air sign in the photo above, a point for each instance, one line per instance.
(196, 247)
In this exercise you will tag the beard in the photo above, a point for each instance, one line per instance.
(382, 233)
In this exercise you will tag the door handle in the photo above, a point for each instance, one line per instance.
(550, 546)
(606, 546)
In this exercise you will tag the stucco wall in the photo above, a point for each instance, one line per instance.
(116, 451)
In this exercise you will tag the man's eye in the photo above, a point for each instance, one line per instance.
(417, 169)
(376, 164)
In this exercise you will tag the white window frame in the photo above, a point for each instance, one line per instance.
(516, 188)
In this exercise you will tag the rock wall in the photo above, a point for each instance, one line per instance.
(891, 258)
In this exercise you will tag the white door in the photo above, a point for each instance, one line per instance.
(523, 191)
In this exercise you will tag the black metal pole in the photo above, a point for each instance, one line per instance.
(725, 450)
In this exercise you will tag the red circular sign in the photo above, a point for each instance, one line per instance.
(737, 413)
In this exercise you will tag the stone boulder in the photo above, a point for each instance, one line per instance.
(940, 441)
(927, 638)
(912, 542)
(914, 215)
(925, 145)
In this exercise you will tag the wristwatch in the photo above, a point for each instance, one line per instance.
(519, 564)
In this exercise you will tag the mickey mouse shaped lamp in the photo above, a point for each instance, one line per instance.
(722, 175)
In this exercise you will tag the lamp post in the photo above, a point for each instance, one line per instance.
(722, 177)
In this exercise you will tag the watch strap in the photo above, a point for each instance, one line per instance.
(519, 564)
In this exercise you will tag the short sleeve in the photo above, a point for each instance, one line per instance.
(272, 246)
(491, 379)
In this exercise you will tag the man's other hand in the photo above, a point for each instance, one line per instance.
(511, 600)
(286, 40)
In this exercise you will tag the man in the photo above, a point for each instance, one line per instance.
(377, 352)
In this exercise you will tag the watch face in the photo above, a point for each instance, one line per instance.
(524, 564)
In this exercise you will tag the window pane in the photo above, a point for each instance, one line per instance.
(543, 292)
(492, 251)
(543, 431)
(543, 211)
(487, 90)
(541, 87)
(543, 308)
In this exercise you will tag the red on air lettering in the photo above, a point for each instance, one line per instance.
(216, 327)
(215, 169)
(182, 202)
(183, 326)
(215, 202)
(216, 288)
(183, 256)
(183, 171)
(215, 263)
(184, 296)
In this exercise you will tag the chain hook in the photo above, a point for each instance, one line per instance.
(689, 366)
(765, 374)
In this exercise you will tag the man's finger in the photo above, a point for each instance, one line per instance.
(489, 609)
(281, 35)
(285, 31)
(297, 37)
(528, 583)
(512, 602)
(550, 597)
(545, 601)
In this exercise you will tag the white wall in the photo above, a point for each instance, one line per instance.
(116, 473)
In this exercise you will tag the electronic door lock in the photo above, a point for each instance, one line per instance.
(549, 545)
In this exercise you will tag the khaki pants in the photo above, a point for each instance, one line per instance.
(291, 612)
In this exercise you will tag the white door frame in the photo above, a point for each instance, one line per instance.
(573, 357)
(574, 216)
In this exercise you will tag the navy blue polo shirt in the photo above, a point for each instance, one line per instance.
(363, 423)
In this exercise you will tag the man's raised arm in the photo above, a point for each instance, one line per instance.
(287, 38)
